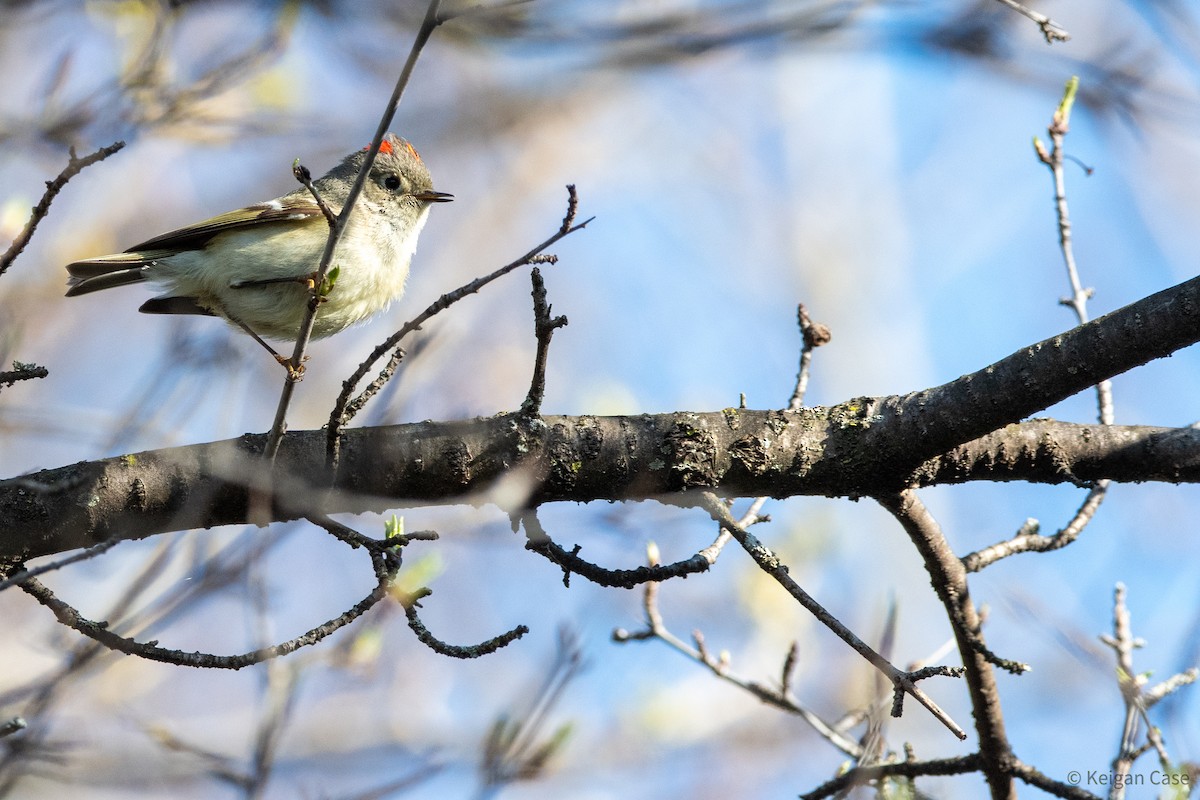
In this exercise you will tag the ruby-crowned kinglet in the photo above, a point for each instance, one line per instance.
(253, 266)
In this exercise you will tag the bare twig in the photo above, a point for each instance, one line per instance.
(1033, 777)
(83, 555)
(902, 682)
(544, 327)
(572, 209)
(1137, 700)
(1059, 126)
(384, 559)
(98, 631)
(780, 697)
(431, 21)
(1050, 29)
(753, 516)
(1027, 538)
(538, 541)
(949, 579)
(74, 166)
(909, 769)
(303, 175)
(22, 372)
(435, 644)
(813, 335)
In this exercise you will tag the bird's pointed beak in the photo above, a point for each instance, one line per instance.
(434, 197)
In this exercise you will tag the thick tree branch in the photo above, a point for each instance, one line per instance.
(928, 423)
(737, 453)
(866, 446)
(1048, 451)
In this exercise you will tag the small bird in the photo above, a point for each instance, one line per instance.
(254, 267)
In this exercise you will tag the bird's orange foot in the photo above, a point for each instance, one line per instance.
(295, 373)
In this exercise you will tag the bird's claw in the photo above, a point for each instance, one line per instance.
(295, 373)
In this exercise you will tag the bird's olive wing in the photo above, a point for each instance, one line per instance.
(195, 236)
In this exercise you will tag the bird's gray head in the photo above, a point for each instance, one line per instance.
(397, 172)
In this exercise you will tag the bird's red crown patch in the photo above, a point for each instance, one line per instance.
(386, 147)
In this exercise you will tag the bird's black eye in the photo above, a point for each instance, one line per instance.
(392, 182)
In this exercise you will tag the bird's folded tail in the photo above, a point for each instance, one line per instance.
(105, 272)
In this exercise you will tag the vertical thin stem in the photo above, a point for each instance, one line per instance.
(279, 426)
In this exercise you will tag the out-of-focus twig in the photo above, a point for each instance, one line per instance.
(1050, 29)
(75, 165)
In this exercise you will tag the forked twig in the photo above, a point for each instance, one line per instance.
(778, 697)
(902, 682)
(544, 327)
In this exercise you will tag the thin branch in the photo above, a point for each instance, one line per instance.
(908, 769)
(777, 697)
(813, 335)
(538, 541)
(83, 555)
(1137, 700)
(753, 516)
(1027, 540)
(74, 166)
(1033, 777)
(384, 559)
(98, 631)
(1060, 124)
(1151, 696)
(1077, 302)
(303, 175)
(571, 563)
(385, 556)
(572, 210)
(279, 426)
(544, 327)
(22, 372)
(902, 682)
(1051, 30)
(411, 604)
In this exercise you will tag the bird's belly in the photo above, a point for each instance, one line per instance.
(263, 281)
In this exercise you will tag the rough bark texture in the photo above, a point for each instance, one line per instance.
(513, 461)
(866, 446)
